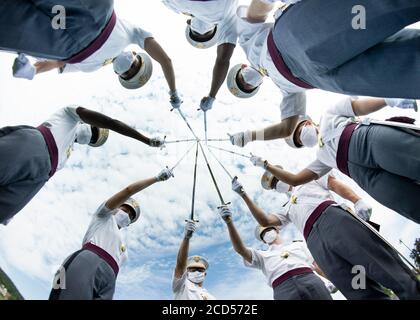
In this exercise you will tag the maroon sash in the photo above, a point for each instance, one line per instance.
(52, 148)
(96, 44)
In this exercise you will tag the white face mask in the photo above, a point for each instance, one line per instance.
(196, 277)
(252, 76)
(282, 187)
(201, 27)
(270, 236)
(122, 219)
(309, 136)
(83, 134)
(123, 62)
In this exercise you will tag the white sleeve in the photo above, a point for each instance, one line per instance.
(228, 31)
(67, 115)
(323, 181)
(293, 104)
(103, 211)
(136, 34)
(282, 216)
(69, 67)
(257, 259)
(342, 108)
(71, 112)
(319, 168)
(178, 284)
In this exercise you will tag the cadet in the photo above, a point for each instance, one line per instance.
(328, 52)
(31, 156)
(190, 272)
(91, 272)
(336, 239)
(212, 22)
(287, 267)
(381, 156)
(97, 39)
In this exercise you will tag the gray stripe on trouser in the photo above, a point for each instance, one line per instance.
(330, 54)
(88, 277)
(24, 168)
(385, 162)
(32, 22)
(338, 242)
(306, 286)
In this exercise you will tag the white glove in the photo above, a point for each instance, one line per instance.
(175, 100)
(402, 103)
(237, 186)
(363, 210)
(241, 139)
(330, 286)
(259, 162)
(225, 213)
(190, 228)
(164, 175)
(207, 103)
(157, 142)
(22, 68)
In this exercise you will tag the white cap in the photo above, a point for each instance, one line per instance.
(290, 139)
(196, 25)
(122, 63)
(83, 133)
(103, 135)
(201, 27)
(252, 79)
(197, 262)
(259, 231)
(267, 182)
(134, 205)
(142, 76)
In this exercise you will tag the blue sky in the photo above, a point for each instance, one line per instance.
(52, 226)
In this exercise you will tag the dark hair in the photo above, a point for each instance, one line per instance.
(199, 38)
(95, 134)
(239, 84)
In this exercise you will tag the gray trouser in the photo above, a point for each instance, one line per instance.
(319, 44)
(27, 26)
(385, 162)
(87, 277)
(24, 168)
(306, 286)
(339, 242)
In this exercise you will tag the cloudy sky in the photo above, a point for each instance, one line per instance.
(53, 224)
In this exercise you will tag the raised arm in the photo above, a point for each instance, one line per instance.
(221, 67)
(102, 121)
(235, 238)
(153, 48)
(363, 209)
(342, 190)
(262, 218)
(362, 107)
(182, 257)
(119, 198)
(258, 11)
(276, 131)
(292, 179)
